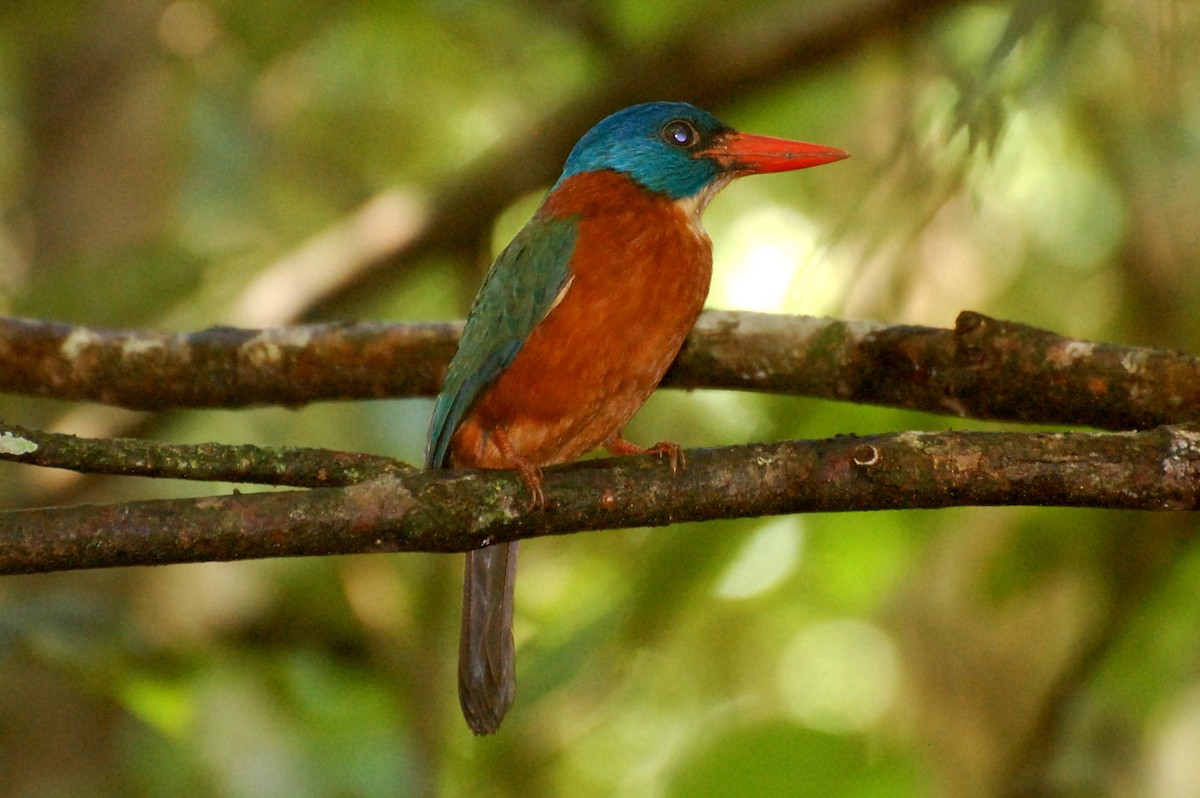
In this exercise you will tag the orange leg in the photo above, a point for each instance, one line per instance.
(672, 451)
(527, 470)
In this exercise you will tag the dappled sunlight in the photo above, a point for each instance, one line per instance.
(280, 293)
(770, 260)
(765, 560)
(1174, 769)
(839, 675)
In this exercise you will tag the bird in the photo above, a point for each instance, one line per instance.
(573, 327)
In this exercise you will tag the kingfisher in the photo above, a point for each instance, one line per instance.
(574, 326)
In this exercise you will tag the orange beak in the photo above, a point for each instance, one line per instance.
(746, 153)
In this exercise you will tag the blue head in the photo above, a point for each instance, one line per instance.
(659, 145)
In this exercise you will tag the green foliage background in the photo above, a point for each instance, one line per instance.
(1034, 161)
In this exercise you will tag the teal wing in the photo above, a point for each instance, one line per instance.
(518, 292)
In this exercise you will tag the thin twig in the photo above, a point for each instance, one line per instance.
(289, 466)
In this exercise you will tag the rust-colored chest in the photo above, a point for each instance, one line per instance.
(640, 274)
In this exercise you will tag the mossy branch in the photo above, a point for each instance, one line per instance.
(449, 511)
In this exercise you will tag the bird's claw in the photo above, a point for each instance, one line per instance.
(531, 478)
(527, 470)
(537, 497)
(672, 451)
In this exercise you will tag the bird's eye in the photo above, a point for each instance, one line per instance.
(680, 134)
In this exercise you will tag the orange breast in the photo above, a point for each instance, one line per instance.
(641, 272)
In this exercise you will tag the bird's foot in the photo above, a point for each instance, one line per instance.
(672, 451)
(527, 470)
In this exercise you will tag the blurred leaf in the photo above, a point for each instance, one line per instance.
(781, 759)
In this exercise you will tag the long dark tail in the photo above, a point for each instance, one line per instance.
(487, 676)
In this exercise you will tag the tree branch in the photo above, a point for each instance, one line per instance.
(983, 368)
(223, 366)
(288, 466)
(447, 511)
